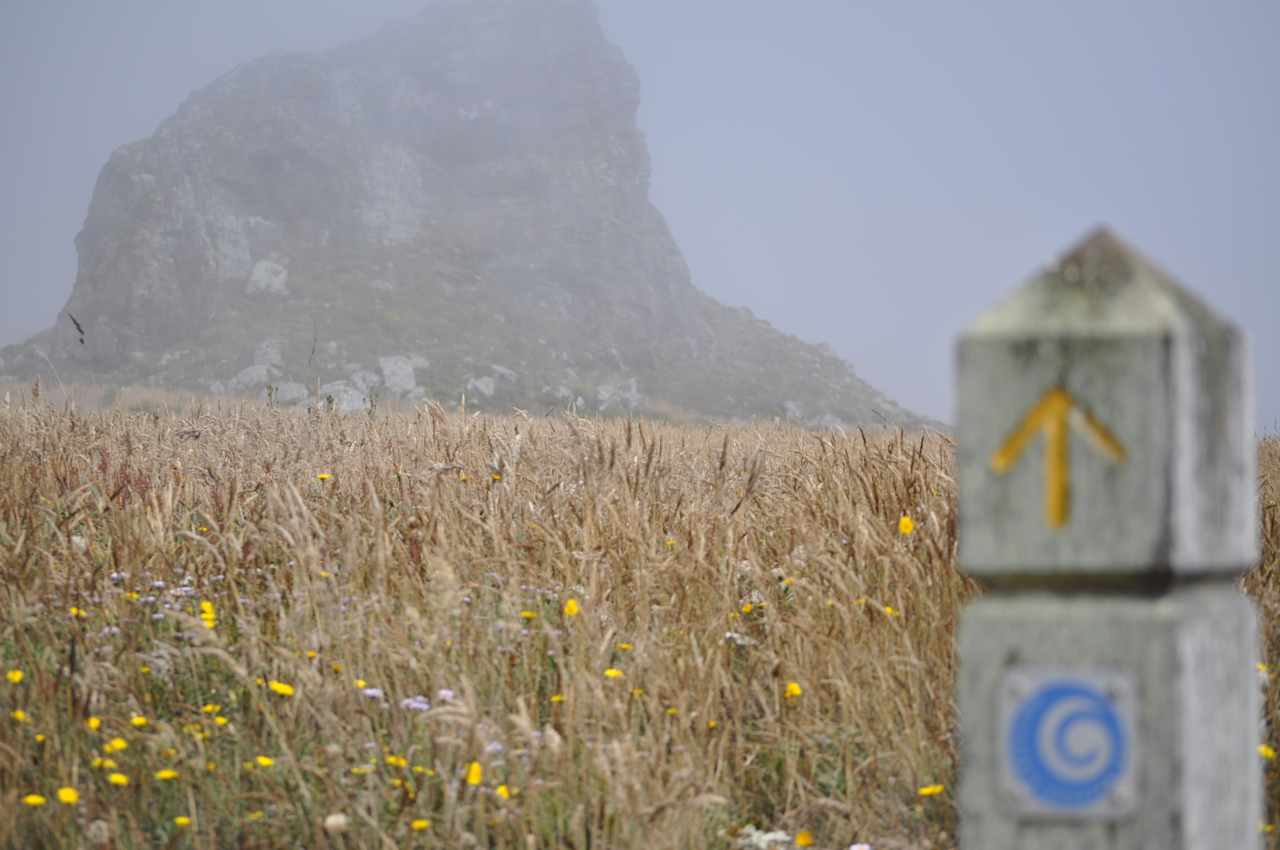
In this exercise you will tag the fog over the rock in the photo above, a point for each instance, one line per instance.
(869, 175)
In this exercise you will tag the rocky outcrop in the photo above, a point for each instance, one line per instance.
(458, 204)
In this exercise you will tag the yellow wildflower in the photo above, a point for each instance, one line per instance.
(624, 647)
(324, 476)
(557, 697)
(475, 773)
(397, 761)
(68, 796)
(672, 711)
(906, 525)
(115, 745)
(747, 607)
(504, 792)
(793, 690)
(930, 790)
(208, 615)
(93, 724)
(420, 824)
(210, 708)
(281, 688)
(528, 615)
(220, 720)
(257, 814)
(613, 673)
(78, 613)
(137, 721)
(182, 821)
(166, 774)
(571, 607)
(118, 779)
(20, 716)
(804, 838)
(34, 800)
(1266, 752)
(712, 724)
(14, 677)
(311, 654)
(361, 683)
(265, 761)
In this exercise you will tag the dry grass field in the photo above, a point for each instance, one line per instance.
(238, 626)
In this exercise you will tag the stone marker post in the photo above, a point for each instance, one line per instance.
(1107, 690)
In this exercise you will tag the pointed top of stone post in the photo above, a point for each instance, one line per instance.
(1103, 285)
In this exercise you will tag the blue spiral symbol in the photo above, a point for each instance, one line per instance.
(1067, 744)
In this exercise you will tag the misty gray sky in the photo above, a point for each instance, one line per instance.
(868, 174)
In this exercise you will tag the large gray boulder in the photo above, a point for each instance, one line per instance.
(469, 185)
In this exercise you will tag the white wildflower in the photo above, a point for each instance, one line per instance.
(416, 703)
(751, 838)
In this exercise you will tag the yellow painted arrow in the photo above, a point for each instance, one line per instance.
(1052, 414)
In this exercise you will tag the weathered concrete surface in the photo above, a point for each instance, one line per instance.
(1195, 703)
(1155, 391)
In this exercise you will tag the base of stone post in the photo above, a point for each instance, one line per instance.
(1115, 723)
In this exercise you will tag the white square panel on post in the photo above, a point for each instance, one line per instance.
(1068, 741)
